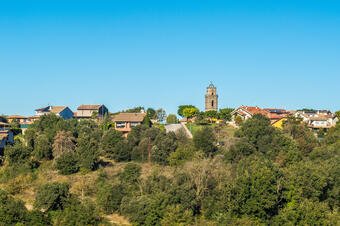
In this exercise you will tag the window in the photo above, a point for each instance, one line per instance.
(212, 103)
(212, 94)
(120, 124)
(133, 124)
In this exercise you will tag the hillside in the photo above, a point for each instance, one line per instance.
(69, 172)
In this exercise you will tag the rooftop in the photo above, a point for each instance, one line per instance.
(89, 107)
(129, 117)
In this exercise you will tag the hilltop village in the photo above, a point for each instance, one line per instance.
(221, 166)
(319, 121)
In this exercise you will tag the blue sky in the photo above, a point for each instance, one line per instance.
(282, 54)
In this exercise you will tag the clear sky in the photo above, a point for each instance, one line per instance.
(280, 54)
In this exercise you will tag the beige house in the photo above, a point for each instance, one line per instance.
(86, 111)
(124, 122)
(19, 118)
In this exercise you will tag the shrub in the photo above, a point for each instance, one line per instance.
(67, 163)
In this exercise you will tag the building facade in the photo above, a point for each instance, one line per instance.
(211, 98)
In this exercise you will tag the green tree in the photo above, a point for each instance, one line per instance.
(67, 163)
(190, 112)
(171, 119)
(225, 113)
(205, 140)
(122, 152)
(16, 154)
(109, 197)
(42, 147)
(182, 107)
(76, 213)
(130, 174)
(52, 196)
(135, 110)
(164, 144)
(12, 211)
(151, 113)
(210, 114)
(256, 191)
(175, 216)
(88, 151)
(181, 155)
(109, 141)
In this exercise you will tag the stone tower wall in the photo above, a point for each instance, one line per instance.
(211, 99)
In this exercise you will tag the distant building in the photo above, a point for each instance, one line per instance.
(19, 118)
(86, 111)
(247, 112)
(276, 114)
(124, 122)
(6, 137)
(62, 111)
(319, 119)
(211, 98)
(3, 125)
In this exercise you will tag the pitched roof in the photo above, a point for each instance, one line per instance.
(42, 109)
(89, 107)
(53, 109)
(254, 110)
(15, 117)
(57, 109)
(129, 117)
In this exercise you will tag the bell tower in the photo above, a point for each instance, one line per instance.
(211, 98)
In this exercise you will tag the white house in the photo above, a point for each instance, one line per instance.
(320, 119)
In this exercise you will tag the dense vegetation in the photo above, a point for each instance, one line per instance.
(81, 172)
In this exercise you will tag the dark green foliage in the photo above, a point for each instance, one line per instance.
(147, 121)
(256, 192)
(109, 141)
(42, 147)
(17, 154)
(130, 174)
(151, 113)
(242, 148)
(109, 197)
(136, 208)
(164, 144)
(135, 110)
(122, 152)
(205, 140)
(11, 211)
(52, 196)
(67, 163)
(76, 213)
(88, 151)
(256, 131)
(225, 113)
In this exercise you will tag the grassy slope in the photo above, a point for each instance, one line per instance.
(25, 185)
(228, 129)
